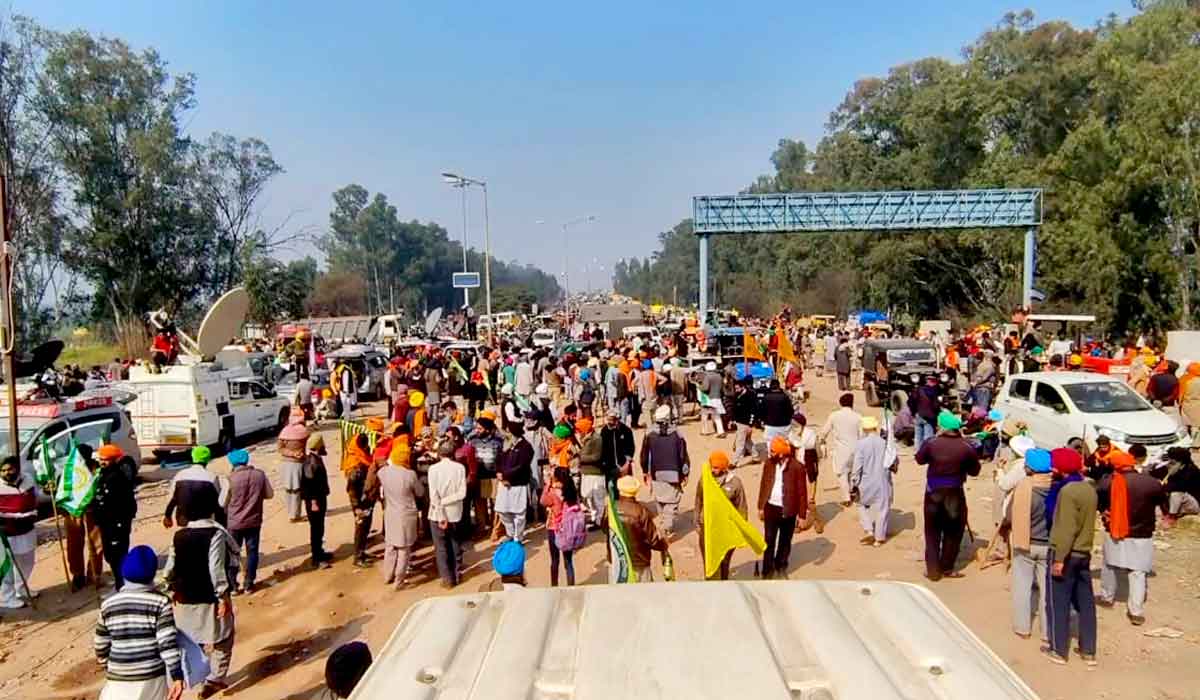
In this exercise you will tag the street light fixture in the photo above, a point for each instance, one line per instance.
(566, 276)
(456, 180)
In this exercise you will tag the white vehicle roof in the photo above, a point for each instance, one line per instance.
(840, 640)
(1069, 318)
(1064, 378)
(629, 330)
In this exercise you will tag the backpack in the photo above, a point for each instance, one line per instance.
(572, 529)
(622, 387)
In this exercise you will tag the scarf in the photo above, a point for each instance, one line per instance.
(356, 455)
(560, 452)
(1052, 497)
(1022, 508)
(1118, 513)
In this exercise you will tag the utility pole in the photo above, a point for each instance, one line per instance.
(8, 327)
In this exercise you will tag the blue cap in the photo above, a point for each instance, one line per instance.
(139, 565)
(509, 559)
(647, 364)
(238, 458)
(1038, 461)
(995, 414)
(585, 375)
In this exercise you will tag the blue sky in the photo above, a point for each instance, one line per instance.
(619, 110)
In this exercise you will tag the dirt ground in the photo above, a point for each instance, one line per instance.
(286, 630)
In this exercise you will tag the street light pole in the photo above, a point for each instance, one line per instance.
(466, 290)
(566, 271)
(463, 183)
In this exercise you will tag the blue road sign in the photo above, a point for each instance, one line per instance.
(465, 280)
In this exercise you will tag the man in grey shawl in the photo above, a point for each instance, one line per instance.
(875, 461)
(292, 441)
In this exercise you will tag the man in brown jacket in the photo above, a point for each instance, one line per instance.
(731, 485)
(644, 537)
(782, 498)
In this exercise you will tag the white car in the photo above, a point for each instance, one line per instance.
(1059, 406)
(545, 338)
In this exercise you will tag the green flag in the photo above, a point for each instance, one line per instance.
(77, 485)
(6, 560)
(43, 471)
(621, 569)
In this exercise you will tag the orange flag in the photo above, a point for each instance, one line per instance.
(750, 348)
(786, 350)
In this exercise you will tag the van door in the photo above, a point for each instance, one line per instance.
(1018, 402)
(246, 411)
(264, 406)
(1050, 426)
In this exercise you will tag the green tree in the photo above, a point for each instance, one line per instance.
(143, 240)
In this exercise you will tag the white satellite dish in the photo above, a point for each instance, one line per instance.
(221, 323)
(432, 320)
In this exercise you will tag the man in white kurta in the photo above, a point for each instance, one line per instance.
(840, 434)
(874, 462)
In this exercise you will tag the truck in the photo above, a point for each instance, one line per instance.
(613, 319)
(201, 404)
(376, 330)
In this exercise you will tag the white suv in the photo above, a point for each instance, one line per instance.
(1059, 406)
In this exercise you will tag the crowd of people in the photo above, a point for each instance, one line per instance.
(484, 447)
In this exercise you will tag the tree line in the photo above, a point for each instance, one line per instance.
(1106, 120)
(115, 210)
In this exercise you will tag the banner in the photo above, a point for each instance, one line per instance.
(621, 569)
(724, 527)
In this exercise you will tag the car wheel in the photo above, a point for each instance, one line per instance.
(872, 398)
(898, 401)
(225, 443)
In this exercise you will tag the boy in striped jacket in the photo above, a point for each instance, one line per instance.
(135, 636)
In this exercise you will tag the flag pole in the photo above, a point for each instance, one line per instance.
(20, 573)
(61, 549)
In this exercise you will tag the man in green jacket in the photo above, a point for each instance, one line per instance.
(1072, 500)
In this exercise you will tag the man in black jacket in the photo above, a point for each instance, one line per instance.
(925, 403)
(113, 509)
(776, 412)
(616, 449)
(745, 412)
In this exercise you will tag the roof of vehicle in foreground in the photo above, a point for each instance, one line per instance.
(1068, 377)
(759, 639)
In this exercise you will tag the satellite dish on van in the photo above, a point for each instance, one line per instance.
(432, 320)
(40, 359)
(223, 321)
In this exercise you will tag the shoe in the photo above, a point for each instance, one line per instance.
(238, 590)
(362, 564)
(1090, 660)
(819, 526)
(866, 540)
(1136, 620)
(1026, 635)
(1053, 656)
(953, 574)
(324, 564)
(1104, 602)
(933, 577)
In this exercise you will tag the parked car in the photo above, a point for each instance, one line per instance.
(1059, 406)
(91, 420)
(368, 365)
(909, 362)
(545, 338)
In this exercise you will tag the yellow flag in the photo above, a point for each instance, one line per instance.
(786, 350)
(750, 347)
(724, 527)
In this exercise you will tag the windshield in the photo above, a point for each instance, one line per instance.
(1105, 397)
(23, 434)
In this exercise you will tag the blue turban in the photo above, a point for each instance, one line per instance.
(509, 559)
(140, 565)
(239, 458)
(1038, 461)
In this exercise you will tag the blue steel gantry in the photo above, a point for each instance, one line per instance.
(798, 212)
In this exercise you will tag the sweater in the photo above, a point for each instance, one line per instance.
(951, 460)
(665, 456)
(591, 452)
(616, 448)
(135, 635)
(1074, 521)
(248, 488)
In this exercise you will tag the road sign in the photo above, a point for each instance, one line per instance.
(1037, 295)
(465, 280)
